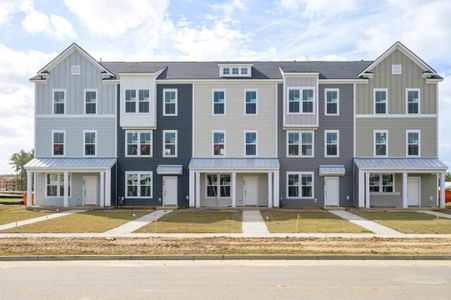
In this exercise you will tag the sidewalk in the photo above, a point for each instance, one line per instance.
(138, 223)
(435, 213)
(253, 224)
(39, 219)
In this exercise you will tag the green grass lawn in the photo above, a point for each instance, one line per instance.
(89, 221)
(408, 221)
(285, 220)
(197, 221)
(12, 213)
(11, 200)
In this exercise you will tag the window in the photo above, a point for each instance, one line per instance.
(55, 185)
(382, 183)
(58, 141)
(170, 102)
(169, 143)
(300, 144)
(90, 101)
(244, 71)
(250, 139)
(138, 143)
(130, 101)
(413, 142)
(380, 101)
(293, 100)
(139, 184)
(226, 71)
(59, 99)
(374, 183)
(213, 185)
(144, 102)
(251, 102)
(396, 69)
(413, 101)
(218, 102)
(90, 140)
(300, 185)
(332, 140)
(75, 69)
(331, 101)
(380, 143)
(219, 143)
(235, 71)
(307, 100)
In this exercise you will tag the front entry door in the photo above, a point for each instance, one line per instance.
(90, 190)
(250, 190)
(331, 191)
(413, 191)
(170, 190)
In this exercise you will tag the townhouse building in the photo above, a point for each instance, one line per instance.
(235, 134)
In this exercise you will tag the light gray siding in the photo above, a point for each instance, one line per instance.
(301, 81)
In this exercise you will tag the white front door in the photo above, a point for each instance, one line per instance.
(413, 191)
(90, 190)
(250, 190)
(331, 191)
(170, 190)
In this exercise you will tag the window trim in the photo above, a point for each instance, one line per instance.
(213, 102)
(139, 185)
(139, 143)
(256, 101)
(138, 101)
(407, 142)
(374, 142)
(95, 144)
(53, 100)
(338, 143)
(301, 108)
(245, 144)
(176, 143)
(407, 100)
(381, 189)
(300, 173)
(58, 186)
(338, 101)
(176, 102)
(300, 144)
(218, 185)
(386, 100)
(213, 143)
(85, 103)
(53, 142)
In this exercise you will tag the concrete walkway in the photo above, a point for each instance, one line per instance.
(253, 224)
(39, 219)
(365, 223)
(138, 223)
(435, 213)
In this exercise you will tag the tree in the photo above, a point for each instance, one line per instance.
(448, 176)
(19, 160)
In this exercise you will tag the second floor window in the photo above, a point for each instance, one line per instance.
(91, 102)
(380, 143)
(170, 143)
(90, 139)
(218, 102)
(139, 143)
(144, 101)
(58, 143)
(413, 101)
(413, 143)
(218, 143)
(59, 99)
(300, 144)
(332, 144)
(250, 143)
(170, 102)
(130, 101)
(251, 102)
(331, 102)
(380, 101)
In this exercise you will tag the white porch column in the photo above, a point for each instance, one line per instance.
(191, 188)
(66, 189)
(233, 189)
(367, 189)
(108, 188)
(102, 189)
(276, 189)
(270, 194)
(197, 189)
(442, 190)
(29, 191)
(404, 191)
(361, 189)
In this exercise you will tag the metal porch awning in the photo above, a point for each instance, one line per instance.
(332, 170)
(44, 164)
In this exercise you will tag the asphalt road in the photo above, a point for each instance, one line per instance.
(226, 280)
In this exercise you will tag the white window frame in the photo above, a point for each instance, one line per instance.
(300, 173)
(386, 100)
(176, 102)
(75, 70)
(396, 69)
(374, 142)
(53, 100)
(213, 102)
(256, 142)
(301, 107)
(136, 101)
(58, 185)
(224, 72)
(139, 185)
(300, 144)
(338, 101)
(381, 186)
(213, 143)
(407, 100)
(256, 101)
(218, 186)
(84, 143)
(325, 142)
(176, 142)
(85, 103)
(407, 142)
(139, 143)
(53, 142)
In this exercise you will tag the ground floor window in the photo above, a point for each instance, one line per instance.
(299, 185)
(384, 183)
(55, 185)
(138, 184)
(218, 183)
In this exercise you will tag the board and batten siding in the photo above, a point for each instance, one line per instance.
(301, 81)
(411, 77)
(235, 121)
(60, 78)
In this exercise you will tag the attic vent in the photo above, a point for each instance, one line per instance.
(396, 69)
(75, 70)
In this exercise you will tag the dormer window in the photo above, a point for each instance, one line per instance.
(226, 71)
(243, 71)
(235, 70)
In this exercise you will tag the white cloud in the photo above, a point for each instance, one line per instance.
(319, 8)
(9, 8)
(54, 26)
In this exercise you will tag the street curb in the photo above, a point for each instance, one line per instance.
(220, 257)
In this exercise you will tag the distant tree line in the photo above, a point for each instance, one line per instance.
(18, 161)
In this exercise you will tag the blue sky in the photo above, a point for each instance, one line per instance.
(33, 32)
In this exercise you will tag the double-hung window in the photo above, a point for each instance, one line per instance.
(413, 142)
(170, 102)
(169, 143)
(59, 99)
(139, 184)
(380, 143)
(144, 101)
(90, 101)
(219, 102)
(380, 101)
(130, 101)
(218, 182)
(294, 100)
(251, 102)
(55, 185)
(250, 140)
(413, 101)
(301, 100)
(382, 183)
(300, 144)
(58, 142)
(332, 142)
(299, 185)
(90, 141)
(218, 138)
(138, 143)
(307, 100)
(331, 102)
